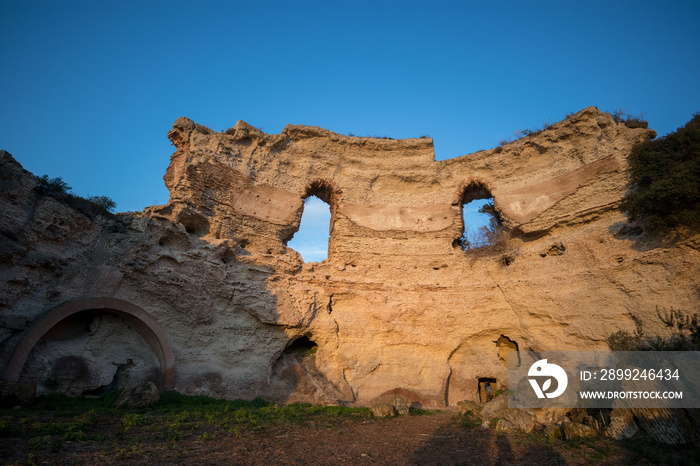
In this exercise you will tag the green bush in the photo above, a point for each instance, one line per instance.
(631, 121)
(665, 179)
(59, 190)
(469, 420)
(46, 185)
(103, 201)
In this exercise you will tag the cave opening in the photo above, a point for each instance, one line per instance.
(301, 346)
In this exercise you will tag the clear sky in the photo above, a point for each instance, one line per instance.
(89, 89)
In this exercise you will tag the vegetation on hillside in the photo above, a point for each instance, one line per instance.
(631, 121)
(665, 180)
(59, 190)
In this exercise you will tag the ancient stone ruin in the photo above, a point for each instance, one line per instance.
(203, 296)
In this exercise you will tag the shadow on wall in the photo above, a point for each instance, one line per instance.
(296, 378)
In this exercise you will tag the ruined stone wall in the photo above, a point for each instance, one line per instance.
(398, 307)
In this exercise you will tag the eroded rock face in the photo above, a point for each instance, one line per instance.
(397, 308)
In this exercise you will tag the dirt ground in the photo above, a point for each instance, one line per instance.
(429, 439)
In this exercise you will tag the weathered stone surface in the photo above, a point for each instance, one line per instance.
(504, 426)
(383, 409)
(396, 308)
(552, 431)
(139, 395)
(494, 408)
(466, 406)
(665, 425)
(575, 430)
(548, 416)
(401, 405)
(622, 424)
(516, 419)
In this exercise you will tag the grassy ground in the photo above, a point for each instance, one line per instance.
(201, 430)
(52, 422)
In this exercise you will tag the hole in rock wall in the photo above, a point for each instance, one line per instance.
(294, 372)
(174, 240)
(483, 225)
(228, 256)
(194, 224)
(311, 241)
(504, 346)
(301, 347)
(487, 389)
(89, 353)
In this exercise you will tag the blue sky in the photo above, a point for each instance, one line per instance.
(89, 89)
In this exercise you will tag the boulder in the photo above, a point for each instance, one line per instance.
(382, 410)
(504, 426)
(493, 408)
(548, 416)
(575, 430)
(466, 406)
(521, 419)
(668, 426)
(401, 404)
(552, 431)
(621, 425)
(139, 396)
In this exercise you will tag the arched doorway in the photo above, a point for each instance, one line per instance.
(70, 319)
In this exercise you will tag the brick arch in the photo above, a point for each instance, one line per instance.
(145, 323)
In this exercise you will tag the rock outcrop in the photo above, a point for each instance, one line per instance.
(203, 295)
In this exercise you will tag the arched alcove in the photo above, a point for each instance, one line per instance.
(73, 318)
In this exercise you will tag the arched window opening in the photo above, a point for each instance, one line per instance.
(311, 241)
(483, 225)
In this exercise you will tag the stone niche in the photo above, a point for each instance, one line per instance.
(398, 309)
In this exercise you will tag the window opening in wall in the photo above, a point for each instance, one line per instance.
(483, 225)
(311, 241)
